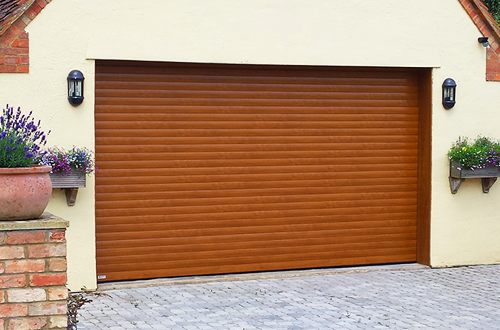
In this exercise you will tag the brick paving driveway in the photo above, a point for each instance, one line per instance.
(360, 298)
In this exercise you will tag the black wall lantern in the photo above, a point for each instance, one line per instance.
(449, 93)
(483, 41)
(75, 87)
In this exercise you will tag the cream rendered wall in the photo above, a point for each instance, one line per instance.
(56, 48)
(464, 227)
(70, 34)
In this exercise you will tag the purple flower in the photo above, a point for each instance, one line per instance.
(76, 159)
(19, 138)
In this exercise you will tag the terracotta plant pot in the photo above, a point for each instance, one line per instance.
(24, 192)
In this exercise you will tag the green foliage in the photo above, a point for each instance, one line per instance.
(483, 152)
(12, 151)
(494, 8)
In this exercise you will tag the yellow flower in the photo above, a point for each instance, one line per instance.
(464, 148)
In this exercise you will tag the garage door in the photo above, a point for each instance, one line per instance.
(210, 169)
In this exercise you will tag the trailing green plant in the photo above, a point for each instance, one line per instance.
(20, 138)
(494, 8)
(481, 153)
(75, 301)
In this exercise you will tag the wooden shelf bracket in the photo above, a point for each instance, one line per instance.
(71, 195)
(455, 183)
(487, 183)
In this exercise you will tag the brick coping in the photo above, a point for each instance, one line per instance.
(46, 221)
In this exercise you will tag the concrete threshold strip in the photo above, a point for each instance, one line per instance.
(254, 276)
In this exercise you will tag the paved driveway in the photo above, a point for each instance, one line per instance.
(391, 297)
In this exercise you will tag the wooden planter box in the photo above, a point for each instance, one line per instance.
(487, 175)
(70, 183)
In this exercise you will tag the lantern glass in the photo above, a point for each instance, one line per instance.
(78, 88)
(448, 94)
(71, 88)
(75, 88)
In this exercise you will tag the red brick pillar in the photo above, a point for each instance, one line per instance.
(33, 294)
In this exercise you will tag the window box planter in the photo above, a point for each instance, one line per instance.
(487, 175)
(70, 183)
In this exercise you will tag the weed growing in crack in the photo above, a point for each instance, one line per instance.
(75, 301)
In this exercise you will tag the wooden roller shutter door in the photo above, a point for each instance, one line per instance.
(210, 169)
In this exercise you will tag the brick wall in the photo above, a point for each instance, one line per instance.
(14, 41)
(33, 276)
(492, 65)
(489, 28)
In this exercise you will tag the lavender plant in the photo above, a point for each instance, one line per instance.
(20, 138)
(481, 153)
(67, 162)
